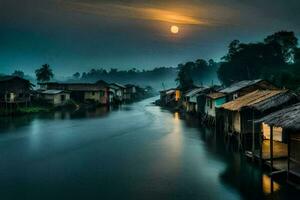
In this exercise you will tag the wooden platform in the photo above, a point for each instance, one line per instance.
(279, 165)
(280, 150)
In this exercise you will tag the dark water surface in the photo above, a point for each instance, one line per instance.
(138, 151)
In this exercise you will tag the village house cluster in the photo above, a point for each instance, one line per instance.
(16, 91)
(258, 118)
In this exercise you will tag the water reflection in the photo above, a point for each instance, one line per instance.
(130, 152)
(269, 185)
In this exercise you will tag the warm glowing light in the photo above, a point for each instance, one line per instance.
(267, 185)
(177, 95)
(174, 29)
(176, 116)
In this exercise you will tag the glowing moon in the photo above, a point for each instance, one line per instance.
(174, 29)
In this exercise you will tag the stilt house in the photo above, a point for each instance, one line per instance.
(237, 116)
(288, 120)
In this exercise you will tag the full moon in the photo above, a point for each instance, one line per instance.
(174, 29)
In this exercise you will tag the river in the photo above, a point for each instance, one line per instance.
(137, 151)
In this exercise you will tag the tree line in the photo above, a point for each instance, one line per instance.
(276, 58)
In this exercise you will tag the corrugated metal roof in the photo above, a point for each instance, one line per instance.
(195, 91)
(251, 99)
(216, 95)
(239, 85)
(286, 118)
(52, 91)
(170, 91)
(119, 85)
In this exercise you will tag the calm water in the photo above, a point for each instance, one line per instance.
(138, 151)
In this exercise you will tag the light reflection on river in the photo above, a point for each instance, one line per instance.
(137, 151)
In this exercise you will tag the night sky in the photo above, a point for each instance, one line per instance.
(77, 35)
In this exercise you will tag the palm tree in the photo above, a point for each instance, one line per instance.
(44, 73)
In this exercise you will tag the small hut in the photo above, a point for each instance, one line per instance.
(191, 99)
(213, 101)
(245, 87)
(238, 116)
(14, 90)
(288, 119)
(82, 92)
(116, 93)
(170, 97)
(55, 97)
(130, 92)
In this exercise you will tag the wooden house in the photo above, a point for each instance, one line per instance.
(213, 101)
(244, 87)
(288, 120)
(170, 97)
(82, 92)
(191, 99)
(55, 97)
(15, 90)
(130, 92)
(237, 116)
(167, 96)
(116, 92)
(234, 91)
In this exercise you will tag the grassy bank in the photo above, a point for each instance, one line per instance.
(24, 110)
(37, 107)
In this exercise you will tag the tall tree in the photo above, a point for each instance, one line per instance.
(287, 41)
(18, 73)
(184, 78)
(44, 73)
(267, 59)
(76, 75)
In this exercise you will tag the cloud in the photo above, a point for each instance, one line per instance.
(139, 12)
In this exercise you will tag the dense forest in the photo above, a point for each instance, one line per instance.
(276, 58)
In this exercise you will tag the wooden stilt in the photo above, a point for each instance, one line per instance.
(253, 137)
(289, 148)
(271, 157)
(271, 148)
(260, 149)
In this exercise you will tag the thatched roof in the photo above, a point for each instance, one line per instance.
(216, 95)
(240, 85)
(260, 100)
(288, 118)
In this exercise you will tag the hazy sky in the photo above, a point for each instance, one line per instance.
(77, 35)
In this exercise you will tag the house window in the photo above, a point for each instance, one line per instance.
(62, 98)
(93, 93)
(101, 93)
(235, 96)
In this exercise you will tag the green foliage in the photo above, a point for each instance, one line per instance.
(194, 72)
(33, 109)
(275, 59)
(44, 73)
(18, 73)
(184, 76)
(76, 75)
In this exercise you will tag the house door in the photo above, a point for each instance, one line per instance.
(62, 98)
